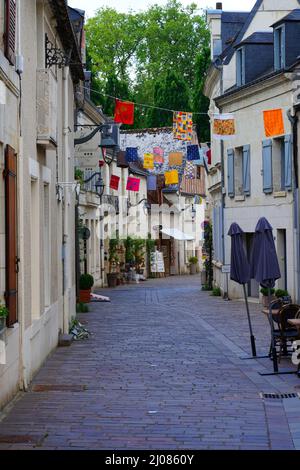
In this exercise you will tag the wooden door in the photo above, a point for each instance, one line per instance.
(10, 175)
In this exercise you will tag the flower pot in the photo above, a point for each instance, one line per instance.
(85, 296)
(2, 323)
(193, 268)
(112, 279)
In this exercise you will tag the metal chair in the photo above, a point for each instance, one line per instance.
(286, 333)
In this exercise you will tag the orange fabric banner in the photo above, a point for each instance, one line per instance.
(273, 120)
(171, 177)
(124, 112)
(175, 158)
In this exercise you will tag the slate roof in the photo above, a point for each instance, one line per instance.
(292, 16)
(260, 37)
(231, 23)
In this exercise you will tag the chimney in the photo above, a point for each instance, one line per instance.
(219, 6)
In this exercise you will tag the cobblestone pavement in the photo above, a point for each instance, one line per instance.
(162, 370)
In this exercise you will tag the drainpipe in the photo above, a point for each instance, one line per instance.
(66, 241)
(294, 120)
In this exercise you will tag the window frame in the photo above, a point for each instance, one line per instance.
(279, 47)
(240, 66)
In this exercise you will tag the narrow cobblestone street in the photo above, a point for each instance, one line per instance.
(162, 370)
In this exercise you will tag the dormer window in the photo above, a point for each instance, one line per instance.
(240, 67)
(279, 47)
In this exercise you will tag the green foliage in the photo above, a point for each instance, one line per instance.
(82, 308)
(281, 293)
(157, 57)
(78, 175)
(113, 254)
(135, 250)
(4, 312)
(265, 291)
(216, 292)
(206, 287)
(86, 281)
(193, 260)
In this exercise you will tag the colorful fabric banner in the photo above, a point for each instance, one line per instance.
(158, 154)
(133, 184)
(208, 154)
(182, 125)
(175, 158)
(124, 112)
(193, 152)
(148, 161)
(151, 182)
(114, 182)
(273, 120)
(131, 154)
(224, 126)
(171, 177)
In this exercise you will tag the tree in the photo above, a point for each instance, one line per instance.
(201, 102)
(171, 92)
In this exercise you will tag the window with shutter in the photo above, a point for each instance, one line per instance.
(230, 172)
(10, 30)
(246, 170)
(240, 67)
(11, 233)
(288, 162)
(279, 48)
(267, 167)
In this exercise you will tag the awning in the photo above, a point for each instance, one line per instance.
(177, 234)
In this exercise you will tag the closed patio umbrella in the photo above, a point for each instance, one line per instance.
(240, 269)
(265, 267)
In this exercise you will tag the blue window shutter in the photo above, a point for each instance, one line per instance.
(246, 170)
(282, 45)
(276, 49)
(215, 239)
(288, 162)
(267, 167)
(238, 68)
(230, 172)
(243, 67)
(221, 254)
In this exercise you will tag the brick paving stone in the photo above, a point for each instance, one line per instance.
(162, 370)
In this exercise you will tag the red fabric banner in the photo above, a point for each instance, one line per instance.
(133, 184)
(124, 112)
(114, 182)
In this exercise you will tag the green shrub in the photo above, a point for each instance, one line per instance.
(82, 308)
(193, 260)
(3, 311)
(281, 293)
(86, 281)
(265, 291)
(206, 287)
(216, 292)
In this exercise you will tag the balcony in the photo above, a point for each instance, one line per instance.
(46, 104)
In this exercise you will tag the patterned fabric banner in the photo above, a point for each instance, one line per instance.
(190, 170)
(273, 120)
(151, 182)
(158, 155)
(224, 126)
(193, 152)
(131, 154)
(208, 154)
(133, 184)
(171, 177)
(175, 158)
(124, 112)
(114, 182)
(182, 125)
(148, 161)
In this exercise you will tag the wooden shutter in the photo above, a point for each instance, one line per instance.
(288, 158)
(221, 251)
(10, 174)
(267, 166)
(246, 170)
(230, 172)
(10, 30)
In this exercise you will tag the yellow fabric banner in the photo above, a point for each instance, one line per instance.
(175, 158)
(171, 177)
(182, 125)
(148, 161)
(273, 120)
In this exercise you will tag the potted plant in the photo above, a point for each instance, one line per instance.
(112, 276)
(3, 315)
(265, 296)
(193, 260)
(86, 283)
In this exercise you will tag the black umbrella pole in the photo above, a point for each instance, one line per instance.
(274, 352)
(252, 339)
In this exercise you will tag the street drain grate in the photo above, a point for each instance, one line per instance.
(58, 388)
(279, 396)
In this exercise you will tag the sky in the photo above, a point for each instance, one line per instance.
(124, 5)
